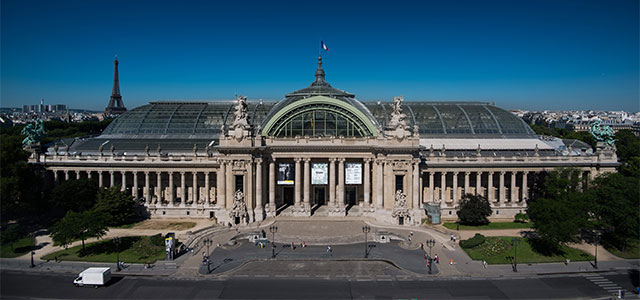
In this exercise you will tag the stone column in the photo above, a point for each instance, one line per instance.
(89, 174)
(415, 189)
(134, 189)
(220, 184)
(513, 193)
(55, 176)
(478, 183)
(455, 187)
(194, 189)
(502, 196)
(183, 187)
(466, 182)
(171, 189)
(112, 178)
(307, 184)
(78, 174)
(490, 190)
(258, 210)
(100, 178)
(159, 187)
(443, 186)
(367, 182)
(379, 183)
(66, 175)
(147, 195)
(207, 188)
(231, 189)
(124, 181)
(341, 182)
(332, 182)
(297, 184)
(272, 188)
(431, 187)
(525, 187)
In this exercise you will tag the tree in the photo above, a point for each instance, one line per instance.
(11, 234)
(79, 225)
(558, 208)
(77, 195)
(474, 210)
(627, 145)
(118, 206)
(615, 207)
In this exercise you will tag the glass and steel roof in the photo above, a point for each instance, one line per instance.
(456, 119)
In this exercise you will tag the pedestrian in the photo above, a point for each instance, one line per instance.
(293, 247)
(451, 237)
(484, 263)
(437, 259)
(451, 262)
(329, 250)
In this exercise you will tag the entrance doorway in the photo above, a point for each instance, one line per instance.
(287, 195)
(400, 220)
(318, 195)
(351, 195)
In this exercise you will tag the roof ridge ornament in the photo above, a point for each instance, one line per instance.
(320, 80)
(397, 126)
(240, 128)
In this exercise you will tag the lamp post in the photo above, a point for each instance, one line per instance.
(458, 220)
(515, 241)
(366, 229)
(273, 229)
(208, 242)
(597, 240)
(116, 241)
(33, 238)
(430, 243)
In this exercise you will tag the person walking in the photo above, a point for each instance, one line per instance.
(451, 262)
(484, 263)
(329, 250)
(437, 259)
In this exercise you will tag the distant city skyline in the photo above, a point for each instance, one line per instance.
(553, 55)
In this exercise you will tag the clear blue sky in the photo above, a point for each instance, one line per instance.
(543, 54)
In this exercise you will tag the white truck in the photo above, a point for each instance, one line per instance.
(93, 277)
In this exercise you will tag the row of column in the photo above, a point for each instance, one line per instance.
(195, 195)
(480, 189)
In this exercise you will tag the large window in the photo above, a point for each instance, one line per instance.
(319, 120)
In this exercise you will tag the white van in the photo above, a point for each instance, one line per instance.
(93, 277)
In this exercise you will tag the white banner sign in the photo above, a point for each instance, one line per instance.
(319, 173)
(354, 173)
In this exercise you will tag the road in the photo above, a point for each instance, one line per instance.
(56, 286)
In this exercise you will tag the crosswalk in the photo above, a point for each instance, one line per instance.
(606, 284)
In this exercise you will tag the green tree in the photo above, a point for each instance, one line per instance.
(77, 195)
(117, 205)
(615, 207)
(79, 225)
(474, 210)
(627, 145)
(11, 234)
(557, 208)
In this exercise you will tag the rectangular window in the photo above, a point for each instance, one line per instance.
(239, 183)
(400, 183)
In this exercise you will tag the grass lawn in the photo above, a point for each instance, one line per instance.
(632, 250)
(20, 247)
(134, 249)
(492, 225)
(496, 250)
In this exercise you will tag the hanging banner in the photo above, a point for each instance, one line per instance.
(353, 173)
(285, 173)
(319, 173)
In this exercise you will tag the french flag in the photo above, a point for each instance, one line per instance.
(324, 46)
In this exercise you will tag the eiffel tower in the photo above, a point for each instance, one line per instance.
(115, 106)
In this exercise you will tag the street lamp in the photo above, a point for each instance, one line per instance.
(273, 229)
(33, 237)
(208, 242)
(597, 240)
(366, 229)
(116, 241)
(430, 243)
(515, 241)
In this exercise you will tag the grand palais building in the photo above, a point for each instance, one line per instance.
(318, 152)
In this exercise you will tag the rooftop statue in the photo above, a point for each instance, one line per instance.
(397, 116)
(242, 118)
(602, 133)
(34, 132)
